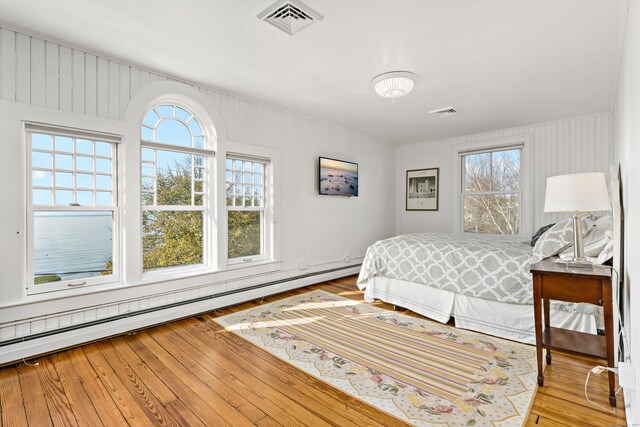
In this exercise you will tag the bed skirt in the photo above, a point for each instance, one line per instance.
(505, 320)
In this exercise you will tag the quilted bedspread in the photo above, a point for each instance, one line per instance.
(483, 266)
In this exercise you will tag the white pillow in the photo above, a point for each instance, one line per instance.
(598, 242)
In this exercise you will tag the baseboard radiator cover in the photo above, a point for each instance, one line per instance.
(146, 317)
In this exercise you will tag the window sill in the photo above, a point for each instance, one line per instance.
(234, 265)
(157, 278)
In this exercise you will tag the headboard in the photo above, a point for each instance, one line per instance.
(618, 217)
(618, 248)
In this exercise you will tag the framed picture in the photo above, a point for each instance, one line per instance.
(423, 189)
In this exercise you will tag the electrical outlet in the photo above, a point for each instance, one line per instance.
(626, 375)
(347, 255)
(302, 265)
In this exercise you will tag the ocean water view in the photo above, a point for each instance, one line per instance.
(72, 246)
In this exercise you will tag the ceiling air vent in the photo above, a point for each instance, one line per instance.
(444, 112)
(290, 16)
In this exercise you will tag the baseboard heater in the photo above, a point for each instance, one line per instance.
(166, 306)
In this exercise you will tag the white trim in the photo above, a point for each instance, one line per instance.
(493, 144)
(270, 239)
(177, 148)
(68, 285)
(36, 347)
(185, 96)
(72, 132)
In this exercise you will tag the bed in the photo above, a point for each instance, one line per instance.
(482, 281)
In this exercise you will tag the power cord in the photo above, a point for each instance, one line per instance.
(598, 370)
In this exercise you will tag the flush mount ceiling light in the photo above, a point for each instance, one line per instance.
(394, 84)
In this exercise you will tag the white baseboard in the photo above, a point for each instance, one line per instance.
(55, 342)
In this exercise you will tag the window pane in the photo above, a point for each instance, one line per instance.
(173, 132)
(84, 146)
(230, 190)
(147, 198)
(41, 179)
(146, 134)
(84, 198)
(103, 198)
(477, 172)
(195, 127)
(505, 170)
(151, 118)
(103, 165)
(103, 149)
(147, 154)
(173, 180)
(41, 160)
(41, 141)
(147, 184)
(65, 179)
(64, 143)
(495, 214)
(147, 169)
(182, 114)
(165, 110)
(64, 197)
(72, 246)
(42, 197)
(103, 181)
(84, 180)
(83, 163)
(245, 234)
(171, 239)
(63, 161)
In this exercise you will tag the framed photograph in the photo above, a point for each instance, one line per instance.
(423, 189)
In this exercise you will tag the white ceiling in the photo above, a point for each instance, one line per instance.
(502, 63)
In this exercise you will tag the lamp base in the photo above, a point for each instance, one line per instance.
(579, 264)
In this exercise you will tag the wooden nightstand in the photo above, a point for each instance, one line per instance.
(554, 281)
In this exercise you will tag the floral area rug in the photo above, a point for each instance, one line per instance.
(424, 373)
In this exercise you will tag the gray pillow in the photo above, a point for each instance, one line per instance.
(540, 232)
(558, 238)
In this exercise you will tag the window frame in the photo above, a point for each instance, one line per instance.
(208, 194)
(29, 129)
(524, 142)
(266, 235)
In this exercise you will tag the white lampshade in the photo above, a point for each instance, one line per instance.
(584, 192)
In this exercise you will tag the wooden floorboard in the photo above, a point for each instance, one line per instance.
(194, 373)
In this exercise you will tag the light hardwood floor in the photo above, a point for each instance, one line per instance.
(193, 373)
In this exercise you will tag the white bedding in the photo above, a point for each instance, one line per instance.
(505, 320)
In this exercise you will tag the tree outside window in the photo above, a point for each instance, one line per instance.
(491, 192)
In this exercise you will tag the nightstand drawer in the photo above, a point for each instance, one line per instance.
(572, 290)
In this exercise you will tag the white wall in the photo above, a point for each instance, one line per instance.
(626, 150)
(44, 81)
(575, 145)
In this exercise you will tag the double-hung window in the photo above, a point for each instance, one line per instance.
(492, 191)
(175, 163)
(247, 210)
(72, 208)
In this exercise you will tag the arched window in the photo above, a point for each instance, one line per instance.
(175, 190)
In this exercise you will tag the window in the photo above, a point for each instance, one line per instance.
(174, 170)
(246, 208)
(72, 208)
(491, 191)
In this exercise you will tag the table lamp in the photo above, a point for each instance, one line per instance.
(578, 192)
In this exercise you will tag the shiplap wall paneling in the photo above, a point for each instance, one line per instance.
(316, 230)
(574, 145)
